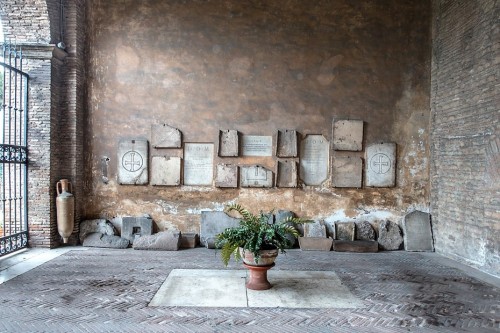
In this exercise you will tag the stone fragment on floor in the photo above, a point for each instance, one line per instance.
(345, 230)
(364, 231)
(162, 241)
(98, 225)
(134, 227)
(96, 239)
(360, 246)
(389, 237)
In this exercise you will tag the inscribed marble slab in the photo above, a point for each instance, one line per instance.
(380, 168)
(314, 159)
(257, 145)
(165, 136)
(227, 175)
(133, 162)
(348, 135)
(287, 143)
(347, 171)
(198, 163)
(287, 173)
(417, 232)
(228, 143)
(165, 171)
(255, 176)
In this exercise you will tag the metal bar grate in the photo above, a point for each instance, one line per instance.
(13, 150)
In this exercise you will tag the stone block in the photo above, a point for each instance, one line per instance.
(348, 135)
(165, 136)
(287, 173)
(165, 171)
(98, 225)
(162, 241)
(213, 223)
(255, 176)
(314, 159)
(198, 163)
(355, 246)
(345, 230)
(314, 229)
(380, 168)
(389, 236)
(134, 227)
(256, 145)
(417, 232)
(227, 175)
(96, 239)
(189, 240)
(228, 143)
(347, 171)
(365, 231)
(287, 143)
(133, 162)
(315, 243)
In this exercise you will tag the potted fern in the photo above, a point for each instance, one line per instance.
(255, 240)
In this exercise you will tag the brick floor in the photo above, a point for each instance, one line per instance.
(102, 290)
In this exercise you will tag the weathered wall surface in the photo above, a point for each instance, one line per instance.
(466, 132)
(258, 67)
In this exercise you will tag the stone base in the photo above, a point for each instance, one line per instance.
(355, 246)
(315, 243)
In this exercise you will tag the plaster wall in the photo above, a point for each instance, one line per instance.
(256, 67)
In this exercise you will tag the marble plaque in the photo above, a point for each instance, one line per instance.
(257, 145)
(198, 163)
(133, 162)
(417, 232)
(348, 135)
(287, 143)
(228, 143)
(314, 158)
(165, 136)
(165, 171)
(255, 176)
(380, 168)
(227, 175)
(287, 173)
(347, 171)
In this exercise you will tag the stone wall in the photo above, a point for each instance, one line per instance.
(466, 132)
(257, 67)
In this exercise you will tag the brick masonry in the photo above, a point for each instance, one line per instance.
(466, 132)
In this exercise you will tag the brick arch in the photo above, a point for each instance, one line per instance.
(30, 21)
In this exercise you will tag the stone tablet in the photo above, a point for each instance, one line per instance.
(165, 171)
(347, 171)
(287, 173)
(345, 230)
(314, 229)
(165, 136)
(213, 223)
(228, 143)
(255, 176)
(380, 168)
(256, 145)
(314, 151)
(133, 162)
(348, 135)
(227, 175)
(198, 163)
(287, 143)
(417, 232)
(389, 236)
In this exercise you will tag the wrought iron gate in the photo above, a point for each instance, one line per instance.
(13, 151)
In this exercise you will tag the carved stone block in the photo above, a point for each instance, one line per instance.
(165, 171)
(287, 143)
(380, 168)
(348, 135)
(133, 162)
(228, 143)
(227, 175)
(287, 173)
(255, 176)
(165, 136)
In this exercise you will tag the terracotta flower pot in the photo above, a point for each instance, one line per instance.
(267, 257)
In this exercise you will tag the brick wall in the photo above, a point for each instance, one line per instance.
(56, 95)
(465, 139)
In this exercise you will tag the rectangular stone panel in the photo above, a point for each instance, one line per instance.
(165, 136)
(133, 162)
(134, 227)
(228, 143)
(314, 159)
(255, 176)
(287, 173)
(198, 163)
(256, 145)
(227, 175)
(417, 232)
(314, 229)
(165, 171)
(287, 143)
(380, 168)
(345, 230)
(347, 171)
(348, 135)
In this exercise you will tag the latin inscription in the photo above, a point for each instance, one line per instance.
(314, 159)
(256, 145)
(198, 163)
